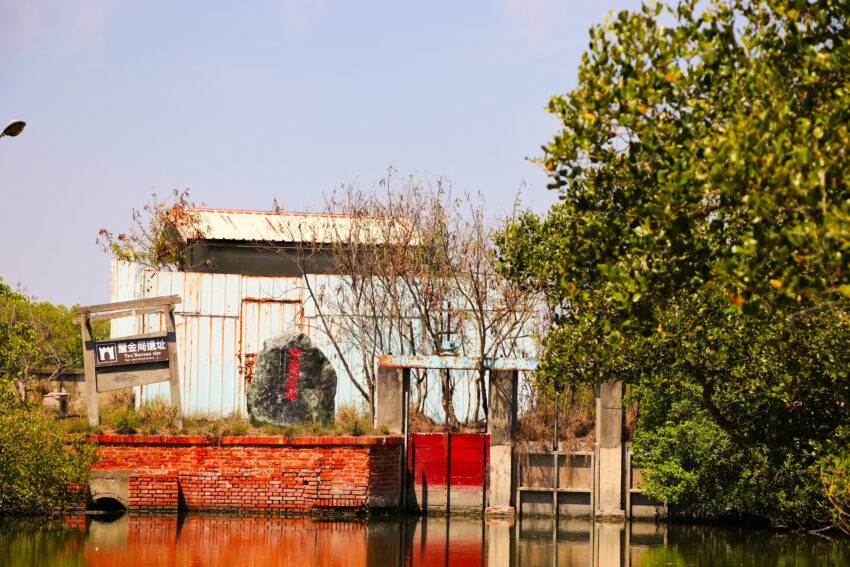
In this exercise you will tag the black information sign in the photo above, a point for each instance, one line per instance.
(131, 351)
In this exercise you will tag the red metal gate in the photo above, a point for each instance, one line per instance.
(447, 471)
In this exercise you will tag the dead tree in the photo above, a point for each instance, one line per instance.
(412, 264)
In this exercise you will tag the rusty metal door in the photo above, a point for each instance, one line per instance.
(261, 319)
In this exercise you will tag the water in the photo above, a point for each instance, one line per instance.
(203, 540)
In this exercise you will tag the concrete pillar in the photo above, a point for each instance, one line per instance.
(501, 421)
(609, 449)
(391, 407)
(501, 425)
(391, 391)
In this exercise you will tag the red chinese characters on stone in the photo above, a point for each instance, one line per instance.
(293, 372)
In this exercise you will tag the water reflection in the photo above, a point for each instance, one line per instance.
(409, 541)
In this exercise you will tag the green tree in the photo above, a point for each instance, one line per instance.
(16, 339)
(41, 468)
(36, 335)
(711, 150)
(162, 234)
(699, 249)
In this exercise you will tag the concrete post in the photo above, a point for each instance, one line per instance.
(501, 425)
(609, 449)
(390, 408)
(501, 420)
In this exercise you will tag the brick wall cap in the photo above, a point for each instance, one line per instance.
(246, 440)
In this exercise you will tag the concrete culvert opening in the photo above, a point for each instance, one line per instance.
(108, 504)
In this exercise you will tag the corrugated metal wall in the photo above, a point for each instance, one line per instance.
(221, 325)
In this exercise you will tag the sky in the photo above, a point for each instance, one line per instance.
(246, 102)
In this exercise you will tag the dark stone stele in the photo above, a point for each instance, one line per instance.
(316, 383)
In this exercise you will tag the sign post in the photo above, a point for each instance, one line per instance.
(127, 362)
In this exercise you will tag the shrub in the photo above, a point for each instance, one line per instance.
(834, 471)
(689, 461)
(42, 469)
(125, 422)
(235, 426)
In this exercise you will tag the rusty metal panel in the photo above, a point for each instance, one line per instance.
(206, 331)
(271, 226)
(455, 362)
(223, 321)
(270, 306)
(123, 288)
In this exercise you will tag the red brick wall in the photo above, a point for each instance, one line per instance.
(154, 491)
(256, 473)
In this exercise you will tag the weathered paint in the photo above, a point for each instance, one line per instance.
(455, 362)
(281, 226)
(447, 469)
(224, 319)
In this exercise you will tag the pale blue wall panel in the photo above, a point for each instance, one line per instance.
(220, 320)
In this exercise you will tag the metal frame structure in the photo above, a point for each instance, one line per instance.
(394, 390)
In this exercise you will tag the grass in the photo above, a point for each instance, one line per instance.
(119, 415)
(576, 420)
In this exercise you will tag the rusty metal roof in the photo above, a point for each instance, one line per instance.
(279, 226)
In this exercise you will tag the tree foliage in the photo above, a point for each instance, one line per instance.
(711, 150)
(37, 335)
(413, 266)
(41, 468)
(699, 251)
(160, 236)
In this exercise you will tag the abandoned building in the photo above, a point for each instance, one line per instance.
(243, 283)
(247, 278)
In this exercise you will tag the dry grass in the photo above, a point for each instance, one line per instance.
(348, 414)
(121, 399)
(120, 416)
(576, 421)
(421, 423)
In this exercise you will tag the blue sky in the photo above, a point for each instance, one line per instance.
(243, 102)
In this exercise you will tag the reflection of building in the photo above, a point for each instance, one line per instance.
(414, 542)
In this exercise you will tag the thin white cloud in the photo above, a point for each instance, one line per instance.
(87, 27)
(301, 16)
(545, 27)
(23, 22)
(532, 16)
(538, 27)
(55, 25)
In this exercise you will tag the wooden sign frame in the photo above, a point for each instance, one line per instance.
(101, 377)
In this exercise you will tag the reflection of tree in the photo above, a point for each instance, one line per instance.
(41, 542)
(744, 546)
